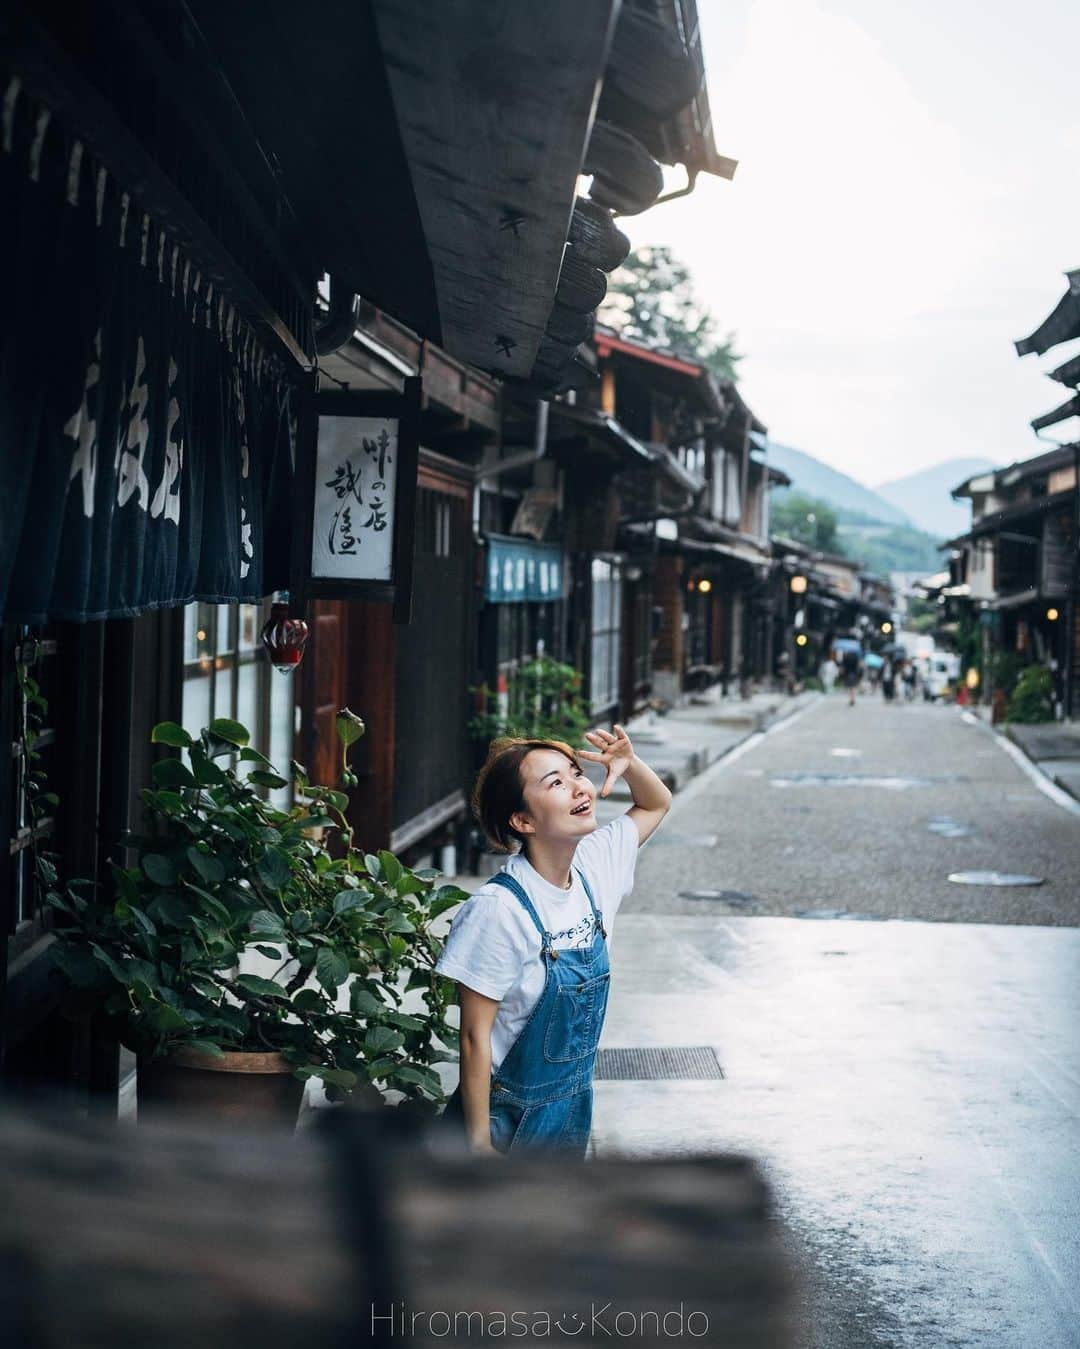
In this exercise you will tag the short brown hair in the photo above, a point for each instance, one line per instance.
(499, 791)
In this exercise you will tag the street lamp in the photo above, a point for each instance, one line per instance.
(798, 585)
(704, 586)
(801, 639)
(1052, 615)
(886, 628)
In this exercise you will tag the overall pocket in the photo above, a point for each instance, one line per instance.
(576, 1019)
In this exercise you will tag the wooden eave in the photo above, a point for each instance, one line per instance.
(494, 111)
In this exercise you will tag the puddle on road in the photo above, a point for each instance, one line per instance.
(887, 783)
(722, 896)
(947, 827)
(837, 913)
(995, 878)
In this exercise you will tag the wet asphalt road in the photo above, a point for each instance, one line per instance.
(912, 1091)
(779, 826)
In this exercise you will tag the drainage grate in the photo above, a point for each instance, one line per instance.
(680, 1061)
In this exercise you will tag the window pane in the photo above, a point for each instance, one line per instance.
(196, 703)
(250, 624)
(247, 700)
(198, 634)
(226, 617)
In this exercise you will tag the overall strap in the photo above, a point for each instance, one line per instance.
(518, 891)
(592, 904)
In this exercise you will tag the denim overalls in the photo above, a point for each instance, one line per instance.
(541, 1095)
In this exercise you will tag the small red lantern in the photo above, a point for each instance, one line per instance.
(284, 638)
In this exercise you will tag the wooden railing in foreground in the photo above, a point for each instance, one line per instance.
(358, 1233)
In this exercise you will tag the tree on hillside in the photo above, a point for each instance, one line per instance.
(806, 520)
(651, 299)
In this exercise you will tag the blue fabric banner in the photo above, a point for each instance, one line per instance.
(519, 570)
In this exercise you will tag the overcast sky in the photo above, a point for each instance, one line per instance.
(906, 202)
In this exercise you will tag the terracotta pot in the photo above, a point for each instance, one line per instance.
(255, 1090)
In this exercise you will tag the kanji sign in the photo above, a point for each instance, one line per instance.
(358, 465)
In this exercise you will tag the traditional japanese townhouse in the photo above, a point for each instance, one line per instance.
(176, 179)
(719, 556)
(1018, 562)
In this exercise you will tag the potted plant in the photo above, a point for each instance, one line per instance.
(343, 936)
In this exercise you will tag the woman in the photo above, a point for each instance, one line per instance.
(529, 950)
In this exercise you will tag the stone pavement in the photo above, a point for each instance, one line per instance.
(912, 1091)
(1054, 747)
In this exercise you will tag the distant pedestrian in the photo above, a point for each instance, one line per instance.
(888, 680)
(909, 677)
(829, 672)
(529, 950)
(851, 666)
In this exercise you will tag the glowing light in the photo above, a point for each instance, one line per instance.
(886, 628)
(1052, 615)
(802, 639)
(201, 635)
(971, 679)
(798, 585)
(704, 585)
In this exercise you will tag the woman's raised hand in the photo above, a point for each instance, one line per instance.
(613, 750)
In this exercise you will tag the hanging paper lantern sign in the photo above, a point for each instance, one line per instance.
(357, 472)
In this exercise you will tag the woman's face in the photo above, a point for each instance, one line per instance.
(559, 798)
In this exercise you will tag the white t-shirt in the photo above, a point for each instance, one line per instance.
(493, 946)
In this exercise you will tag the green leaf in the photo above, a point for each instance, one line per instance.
(338, 1077)
(428, 873)
(262, 778)
(168, 733)
(411, 885)
(308, 1000)
(207, 774)
(398, 946)
(164, 1018)
(113, 966)
(211, 903)
(264, 988)
(454, 892)
(381, 1068)
(271, 952)
(373, 866)
(382, 1040)
(319, 821)
(80, 967)
(209, 867)
(331, 969)
(364, 1003)
(300, 921)
(392, 870)
(339, 800)
(172, 773)
(206, 1047)
(403, 1021)
(273, 869)
(159, 869)
(345, 900)
(398, 922)
(250, 755)
(263, 923)
(221, 728)
(411, 1072)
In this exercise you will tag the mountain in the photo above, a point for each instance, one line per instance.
(924, 496)
(810, 477)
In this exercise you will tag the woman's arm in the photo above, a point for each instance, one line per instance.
(477, 1019)
(652, 800)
